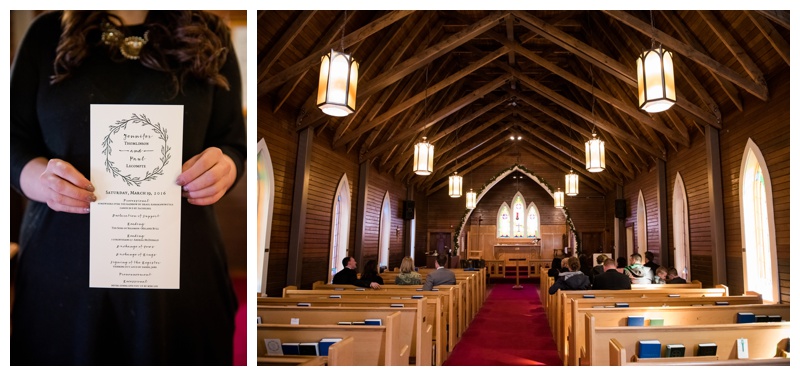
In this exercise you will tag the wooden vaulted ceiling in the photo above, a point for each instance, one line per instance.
(467, 80)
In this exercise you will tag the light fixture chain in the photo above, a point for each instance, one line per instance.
(344, 23)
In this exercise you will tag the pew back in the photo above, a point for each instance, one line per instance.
(619, 357)
(339, 354)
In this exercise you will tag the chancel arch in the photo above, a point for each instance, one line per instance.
(340, 225)
(680, 228)
(759, 251)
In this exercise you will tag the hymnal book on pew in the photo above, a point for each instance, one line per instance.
(309, 348)
(258, 320)
(360, 289)
(619, 305)
(416, 297)
(745, 317)
(304, 304)
(325, 344)
(635, 320)
(706, 349)
(774, 318)
(656, 321)
(373, 322)
(397, 305)
(291, 348)
(335, 297)
(419, 289)
(338, 289)
(649, 348)
(345, 323)
(741, 349)
(762, 318)
(720, 303)
(273, 346)
(674, 295)
(359, 323)
(675, 350)
(588, 296)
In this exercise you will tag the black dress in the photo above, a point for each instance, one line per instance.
(56, 317)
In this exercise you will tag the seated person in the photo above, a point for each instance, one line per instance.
(407, 274)
(622, 263)
(574, 279)
(348, 275)
(440, 276)
(370, 274)
(597, 269)
(661, 275)
(638, 273)
(672, 276)
(555, 268)
(611, 278)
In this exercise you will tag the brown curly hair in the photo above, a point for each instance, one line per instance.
(184, 44)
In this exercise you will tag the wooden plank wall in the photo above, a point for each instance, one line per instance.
(768, 125)
(377, 187)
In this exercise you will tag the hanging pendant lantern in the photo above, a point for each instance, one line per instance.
(656, 76)
(572, 183)
(472, 199)
(338, 79)
(559, 199)
(595, 154)
(423, 158)
(455, 185)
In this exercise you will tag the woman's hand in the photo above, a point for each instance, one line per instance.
(57, 183)
(207, 176)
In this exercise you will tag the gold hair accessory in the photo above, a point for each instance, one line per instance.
(130, 47)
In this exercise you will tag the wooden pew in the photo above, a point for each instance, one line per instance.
(411, 318)
(619, 357)
(455, 291)
(763, 338)
(445, 335)
(675, 315)
(339, 354)
(476, 286)
(422, 337)
(561, 319)
(375, 345)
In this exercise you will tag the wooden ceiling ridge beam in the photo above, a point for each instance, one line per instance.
(585, 114)
(577, 47)
(733, 46)
(445, 112)
(730, 90)
(312, 59)
(283, 43)
(758, 88)
(567, 123)
(780, 17)
(420, 97)
(777, 41)
(444, 167)
(477, 156)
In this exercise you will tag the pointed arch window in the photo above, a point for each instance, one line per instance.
(758, 225)
(386, 229)
(518, 216)
(504, 221)
(532, 221)
(641, 225)
(680, 228)
(266, 199)
(340, 226)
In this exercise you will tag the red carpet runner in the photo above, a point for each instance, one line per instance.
(509, 330)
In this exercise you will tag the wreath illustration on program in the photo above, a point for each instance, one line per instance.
(144, 122)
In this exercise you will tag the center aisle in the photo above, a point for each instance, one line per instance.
(509, 330)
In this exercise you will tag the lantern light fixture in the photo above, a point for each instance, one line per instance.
(656, 77)
(595, 148)
(455, 185)
(559, 199)
(571, 183)
(338, 81)
(472, 199)
(423, 158)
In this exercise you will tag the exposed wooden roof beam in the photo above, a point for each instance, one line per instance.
(689, 38)
(312, 60)
(584, 178)
(780, 17)
(733, 46)
(445, 112)
(773, 36)
(757, 88)
(477, 156)
(284, 42)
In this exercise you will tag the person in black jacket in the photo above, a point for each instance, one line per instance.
(370, 273)
(349, 276)
(611, 279)
(574, 279)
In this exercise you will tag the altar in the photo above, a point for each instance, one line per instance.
(508, 251)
